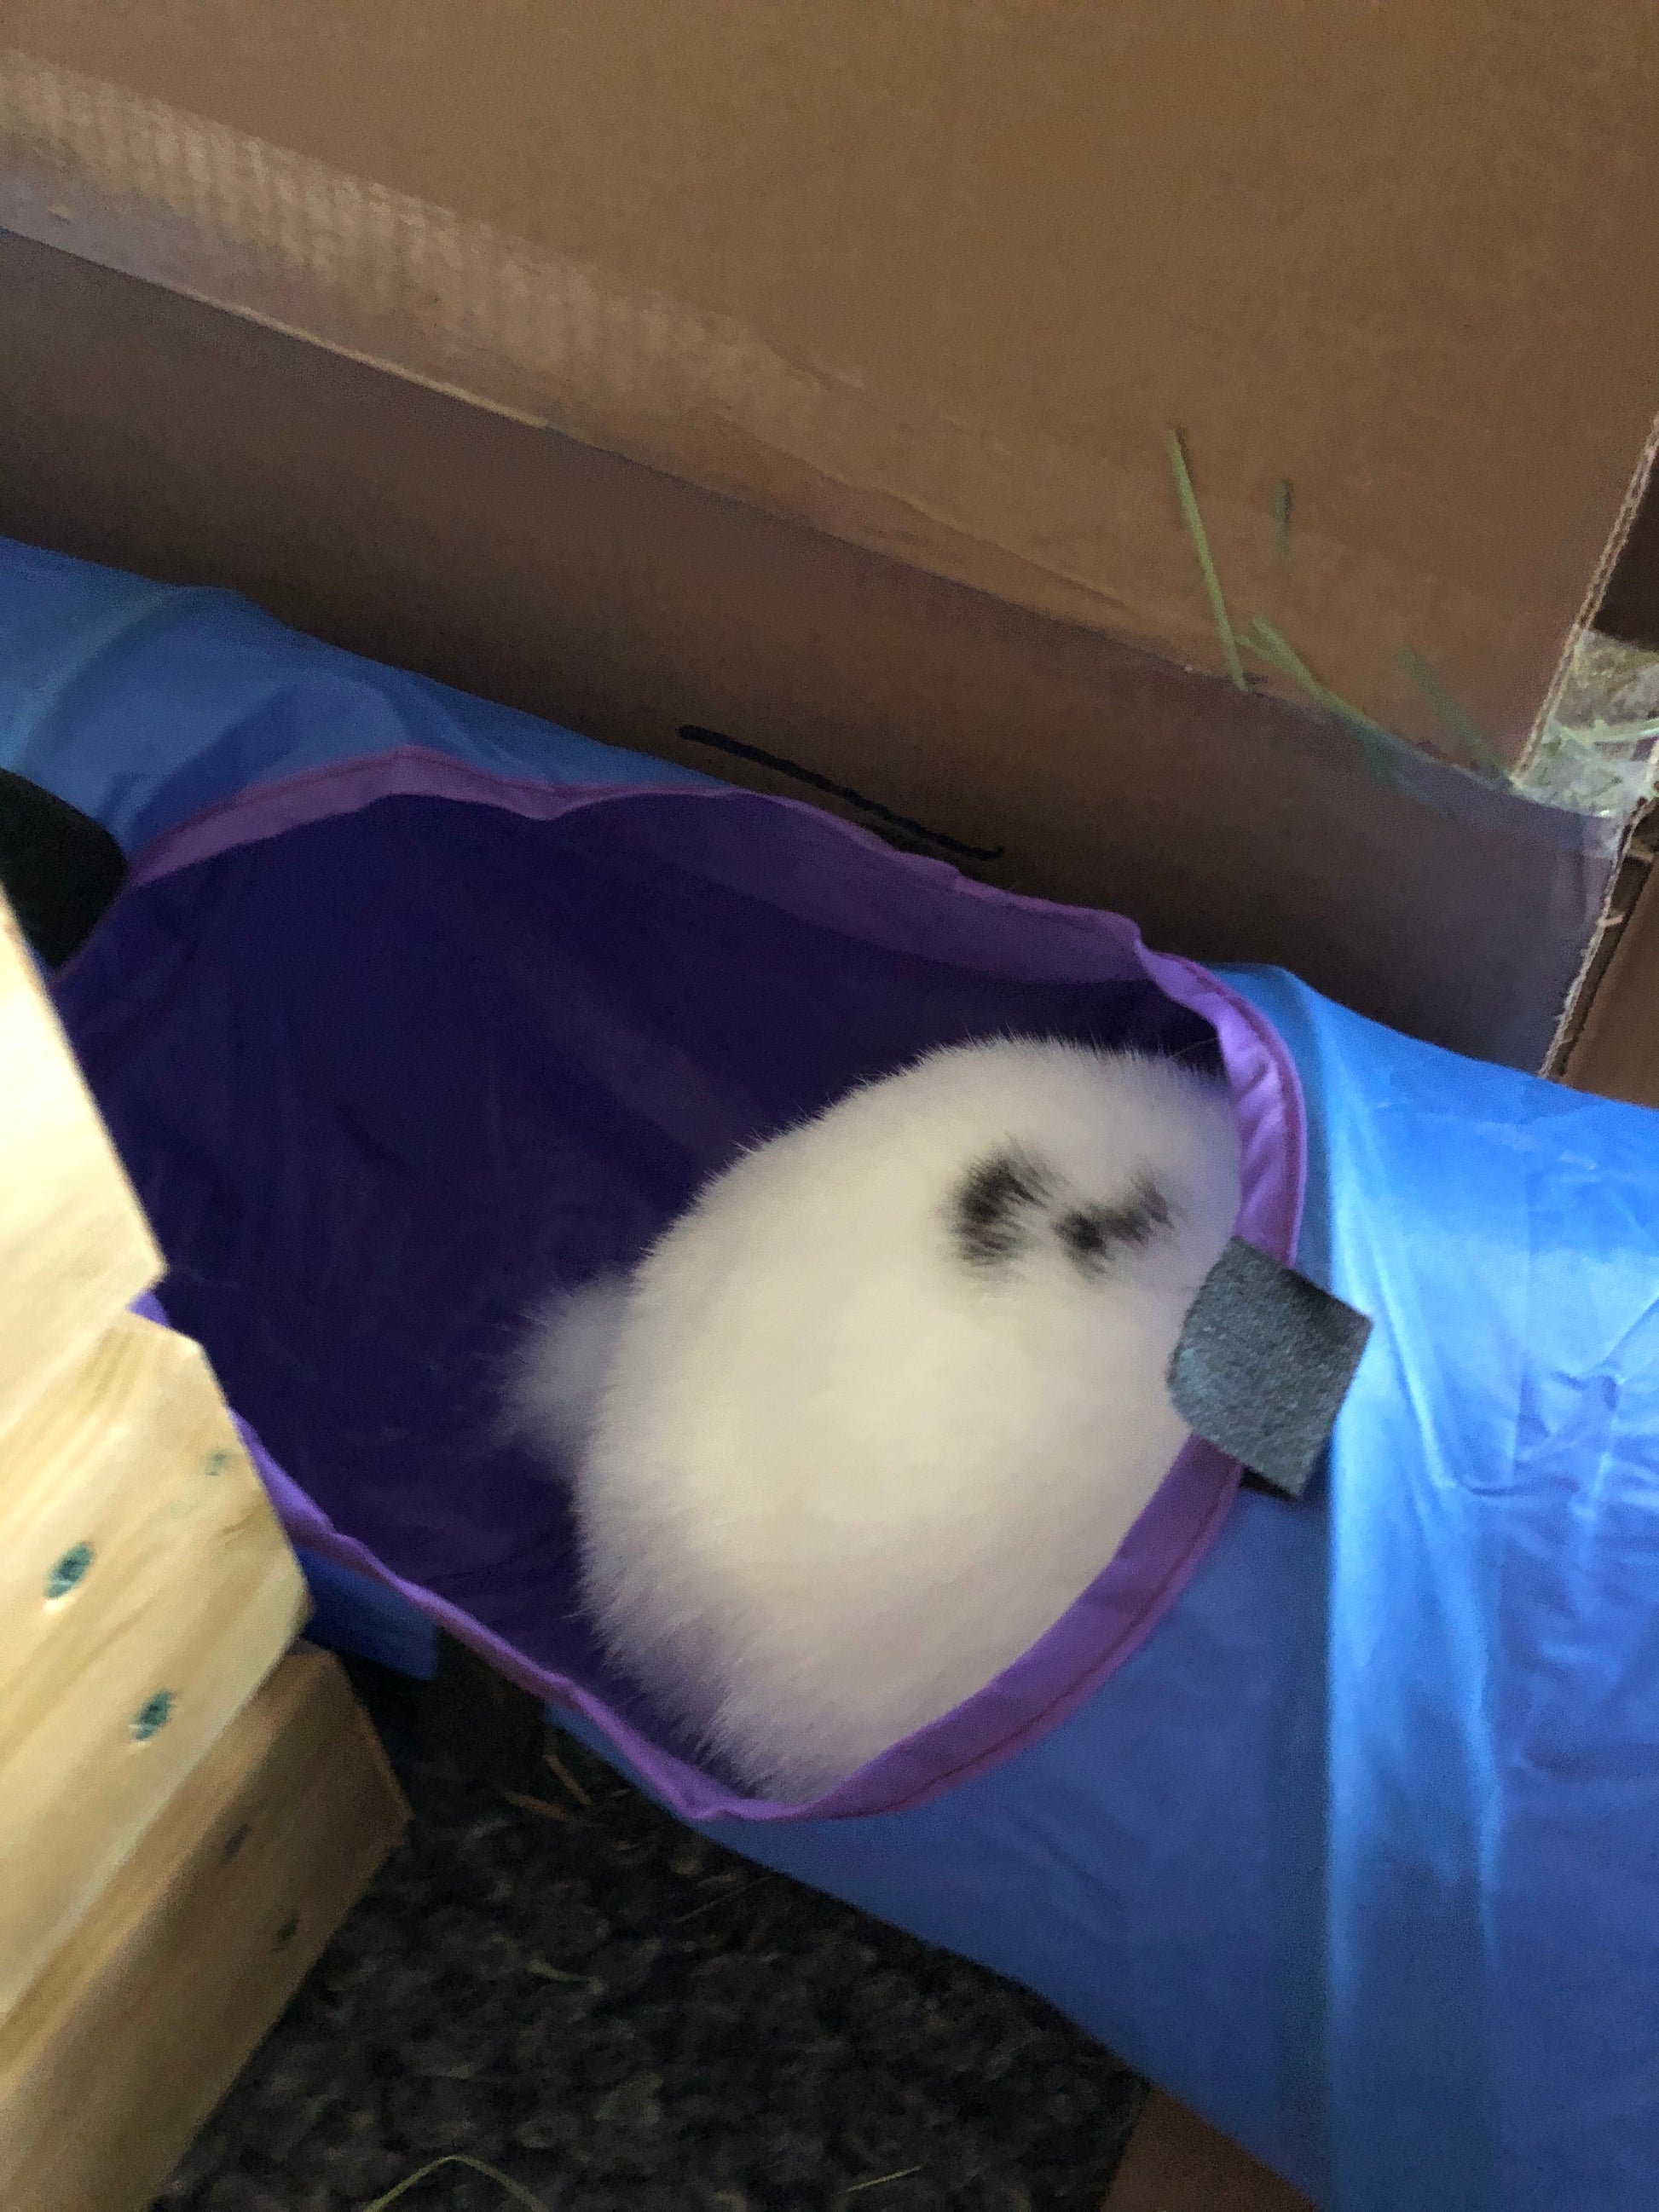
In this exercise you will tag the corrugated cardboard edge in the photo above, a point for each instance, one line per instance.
(1577, 1055)
(471, 311)
(1618, 538)
(1595, 1048)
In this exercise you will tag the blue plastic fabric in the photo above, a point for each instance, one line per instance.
(355, 1614)
(143, 703)
(1359, 1853)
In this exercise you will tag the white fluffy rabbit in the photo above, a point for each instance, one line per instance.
(887, 1398)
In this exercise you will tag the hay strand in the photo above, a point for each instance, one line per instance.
(878, 2181)
(543, 1808)
(569, 1779)
(1453, 714)
(1282, 510)
(521, 2196)
(725, 1897)
(1194, 517)
(1375, 741)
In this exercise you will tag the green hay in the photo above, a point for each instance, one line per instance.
(1601, 776)
(1456, 717)
(543, 1973)
(1374, 740)
(535, 2203)
(1590, 760)
(543, 1808)
(474, 2166)
(1381, 748)
(1194, 521)
(726, 1897)
(1282, 510)
(1598, 753)
(879, 2181)
(569, 1779)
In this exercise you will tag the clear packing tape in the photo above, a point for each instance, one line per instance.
(1599, 751)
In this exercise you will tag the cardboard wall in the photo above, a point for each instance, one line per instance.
(1612, 1044)
(938, 275)
(1631, 608)
(151, 432)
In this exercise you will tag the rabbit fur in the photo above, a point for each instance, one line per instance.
(879, 1407)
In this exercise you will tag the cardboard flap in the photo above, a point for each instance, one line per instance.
(938, 277)
(152, 433)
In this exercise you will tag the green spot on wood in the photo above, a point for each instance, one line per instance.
(70, 1571)
(152, 1716)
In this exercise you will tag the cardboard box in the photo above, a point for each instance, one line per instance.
(1176, 2163)
(939, 277)
(807, 377)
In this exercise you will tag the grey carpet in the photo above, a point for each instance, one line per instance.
(624, 2018)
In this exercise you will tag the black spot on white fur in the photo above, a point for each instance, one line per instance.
(991, 1217)
(1003, 1204)
(1095, 1235)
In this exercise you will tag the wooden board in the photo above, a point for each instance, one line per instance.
(146, 1590)
(146, 2016)
(1177, 2162)
(74, 1248)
